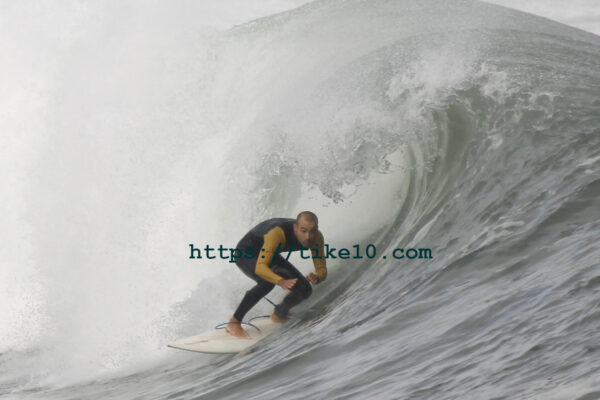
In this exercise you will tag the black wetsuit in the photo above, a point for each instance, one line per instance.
(280, 233)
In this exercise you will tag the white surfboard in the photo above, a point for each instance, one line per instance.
(219, 341)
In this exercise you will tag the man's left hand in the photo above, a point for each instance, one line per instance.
(313, 278)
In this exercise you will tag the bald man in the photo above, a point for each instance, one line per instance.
(267, 241)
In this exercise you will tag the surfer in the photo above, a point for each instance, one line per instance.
(267, 240)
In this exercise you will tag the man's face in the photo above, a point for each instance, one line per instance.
(305, 232)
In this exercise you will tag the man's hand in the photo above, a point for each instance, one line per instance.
(313, 278)
(287, 284)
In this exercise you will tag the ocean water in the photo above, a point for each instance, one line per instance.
(582, 14)
(132, 130)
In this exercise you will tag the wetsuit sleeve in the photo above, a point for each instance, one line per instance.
(274, 242)
(318, 257)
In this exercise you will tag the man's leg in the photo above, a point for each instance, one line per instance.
(301, 290)
(250, 299)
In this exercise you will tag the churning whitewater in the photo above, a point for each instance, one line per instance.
(463, 127)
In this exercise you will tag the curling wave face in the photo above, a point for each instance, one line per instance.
(458, 126)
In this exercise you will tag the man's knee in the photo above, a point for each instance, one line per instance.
(261, 288)
(303, 288)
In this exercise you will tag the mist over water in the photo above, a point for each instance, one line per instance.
(130, 132)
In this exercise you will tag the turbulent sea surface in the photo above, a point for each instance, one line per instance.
(463, 127)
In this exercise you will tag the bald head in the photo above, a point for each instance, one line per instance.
(309, 217)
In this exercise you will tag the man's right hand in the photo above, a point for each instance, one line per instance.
(287, 284)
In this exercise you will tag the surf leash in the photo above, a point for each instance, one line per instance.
(249, 323)
(222, 326)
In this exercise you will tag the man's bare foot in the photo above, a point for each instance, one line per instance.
(234, 328)
(278, 319)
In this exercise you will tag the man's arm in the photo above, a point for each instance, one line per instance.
(274, 241)
(318, 257)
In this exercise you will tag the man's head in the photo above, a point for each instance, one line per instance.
(305, 228)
